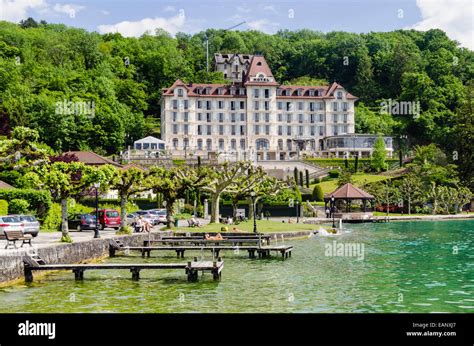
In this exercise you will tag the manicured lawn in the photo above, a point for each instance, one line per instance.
(263, 226)
(330, 185)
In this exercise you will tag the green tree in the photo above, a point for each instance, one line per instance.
(318, 194)
(411, 189)
(344, 178)
(379, 155)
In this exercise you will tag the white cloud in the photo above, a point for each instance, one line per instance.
(16, 10)
(105, 13)
(68, 9)
(452, 16)
(244, 9)
(270, 8)
(172, 25)
(169, 9)
(263, 25)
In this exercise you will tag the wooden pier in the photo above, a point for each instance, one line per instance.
(192, 269)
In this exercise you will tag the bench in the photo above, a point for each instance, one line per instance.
(14, 236)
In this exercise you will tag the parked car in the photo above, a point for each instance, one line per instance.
(31, 225)
(131, 218)
(10, 223)
(149, 216)
(108, 218)
(81, 222)
(161, 215)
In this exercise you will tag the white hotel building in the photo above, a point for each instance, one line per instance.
(254, 119)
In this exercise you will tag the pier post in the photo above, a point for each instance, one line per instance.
(28, 274)
(135, 274)
(111, 251)
(78, 273)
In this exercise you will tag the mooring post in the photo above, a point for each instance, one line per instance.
(135, 274)
(78, 273)
(28, 274)
(111, 251)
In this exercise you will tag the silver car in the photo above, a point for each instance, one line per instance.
(148, 216)
(30, 224)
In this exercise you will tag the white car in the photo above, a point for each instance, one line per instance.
(160, 214)
(10, 223)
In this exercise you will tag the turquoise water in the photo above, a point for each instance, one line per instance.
(406, 267)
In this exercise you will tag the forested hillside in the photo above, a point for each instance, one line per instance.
(42, 64)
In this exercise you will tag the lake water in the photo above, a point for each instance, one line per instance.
(406, 267)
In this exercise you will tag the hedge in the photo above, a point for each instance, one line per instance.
(339, 162)
(39, 201)
(18, 206)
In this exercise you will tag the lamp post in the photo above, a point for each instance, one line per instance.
(96, 230)
(332, 211)
(297, 212)
(252, 196)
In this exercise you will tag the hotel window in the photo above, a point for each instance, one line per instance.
(199, 130)
(221, 117)
(199, 144)
(299, 92)
(242, 91)
(267, 105)
(220, 91)
(232, 105)
(311, 93)
(321, 130)
(300, 118)
(267, 117)
(344, 106)
(209, 144)
(257, 129)
(186, 116)
(175, 129)
(280, 144)
(199, 104)
(199, 116)
(339, 95)
(334, 106)
(345, 128)
(232, 130)
(180, 92)
(175, 143)
(220, 104)
(278, 92)
(232, 91)
(242, 116)
(175, 104)
(232, 117)
(242, 144)
(267, 130)
(280, 130)
(233, 144)
(208, 117)
(334, 130)
(256, 117)
(256, 105)
(289, 106)
(313, 130)
(312, 118)
(186, 104)
(321, 106)
(280, 105)
(186, 129)
(288, 130)
(175, 116)
(334, 118)
(209, 130)
(344, 118)
(288, 144)
(256, 93)
(288, 118)
(300, 130)
(208, 105)
(221, 129)
(242, 130)
(280, 117)
(312, 107)
(321, 118)
(242, 104)
(221, 144)
(300, 106)
(267, 93)
(186, 143)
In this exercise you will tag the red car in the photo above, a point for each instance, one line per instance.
(108, 218)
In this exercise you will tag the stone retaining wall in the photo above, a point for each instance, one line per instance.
(11, 261)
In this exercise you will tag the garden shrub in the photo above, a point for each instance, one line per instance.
(18, 206)
(125, 230)
(3, 207)
(52, 221)
(39, 201)
(318, 194)
(334, 173)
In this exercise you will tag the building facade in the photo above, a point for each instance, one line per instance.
(255, 119)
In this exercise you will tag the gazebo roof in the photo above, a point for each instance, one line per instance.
(349, 191)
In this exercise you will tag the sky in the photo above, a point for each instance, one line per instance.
(135, 17)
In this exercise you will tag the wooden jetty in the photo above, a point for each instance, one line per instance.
(192, 268)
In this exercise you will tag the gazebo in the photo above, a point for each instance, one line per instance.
(347, 193)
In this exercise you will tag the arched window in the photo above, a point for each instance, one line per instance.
(233, 144)
(221, 144)
(288, 144)
(199, 142)
(209, 144)
(280, 144)
(175, 143)
(262, 144)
